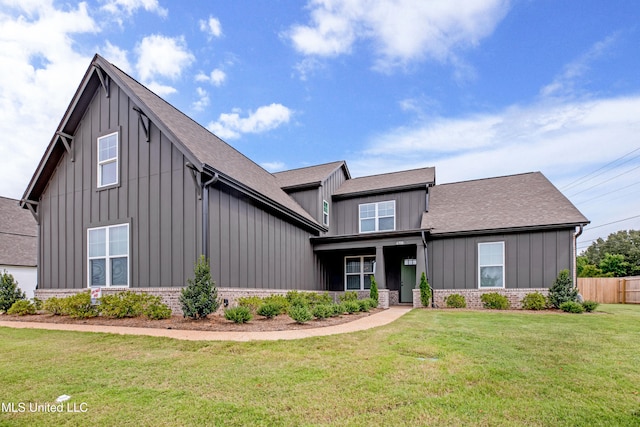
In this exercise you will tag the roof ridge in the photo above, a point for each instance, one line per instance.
(395, 172)
(491, 178)
(310, 166)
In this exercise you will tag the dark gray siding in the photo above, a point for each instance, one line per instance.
(310, 200)
(329, 187)
(410, 206)
(532, 260)
(253, 248)
(156, 195)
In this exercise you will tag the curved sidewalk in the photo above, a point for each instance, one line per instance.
(378, 319)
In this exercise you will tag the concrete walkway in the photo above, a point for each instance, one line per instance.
(378, 319)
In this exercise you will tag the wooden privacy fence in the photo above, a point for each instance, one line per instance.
(610, 290)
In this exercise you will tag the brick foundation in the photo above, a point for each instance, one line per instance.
(472, 296)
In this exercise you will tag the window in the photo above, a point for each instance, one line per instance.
(108, 256)
(108, 160)
(357, 272)
(491, 265)
(325, 212)
(379, 216)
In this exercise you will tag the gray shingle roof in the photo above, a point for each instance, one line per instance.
(516, 201)
(18, 235)
(311, 175)
(387, 182)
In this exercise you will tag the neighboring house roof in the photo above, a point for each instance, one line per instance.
(395, 181)
(205, 150)
(311, 176)
(509, 202)
(18, 235)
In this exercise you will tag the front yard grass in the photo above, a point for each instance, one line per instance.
(443, 367)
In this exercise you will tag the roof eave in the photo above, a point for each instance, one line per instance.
(382, 190)
(514, 229)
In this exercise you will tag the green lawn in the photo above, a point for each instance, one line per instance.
(428, 368)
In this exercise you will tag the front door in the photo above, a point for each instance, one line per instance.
(407, 280)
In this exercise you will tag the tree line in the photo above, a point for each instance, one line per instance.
(616, 256)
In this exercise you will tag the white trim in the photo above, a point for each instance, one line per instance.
(361, 273)
(115, 160)
(376, 218)
(502, 286)
(107, 257)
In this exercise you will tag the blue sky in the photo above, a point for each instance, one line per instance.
(476, 88)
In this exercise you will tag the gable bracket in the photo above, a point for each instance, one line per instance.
(104, 79)
(145, 122)
(33, 208)
(197, 178)
(66, 141)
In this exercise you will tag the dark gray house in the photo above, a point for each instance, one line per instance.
(130, 191)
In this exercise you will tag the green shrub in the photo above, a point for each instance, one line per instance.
(365, 304)
(351, 306)
(322, 311)
(373, 303)
(425, 291)
(455, 301)
(572, 307)
(9, 291)
(494, 301)
(534, 301)
(349, 296)
(238, 314)
(79, 306)
(200, 297)
(279, 301)
(296, 298)
(122, 304)
(269, 310)
(22, 307)
(253, 303)
(338, 309)
(154, 308)
(562, 290)
(37, 303)
(54, 305)
(300, 313)
(589, 306)
(373, 290)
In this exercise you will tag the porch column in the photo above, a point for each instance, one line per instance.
(420, 263)
(380, 270)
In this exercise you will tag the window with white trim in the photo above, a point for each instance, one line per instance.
(108, 160)
(325, 212)
(357, 272)
(491, 265)
(379, 216)
(108, 255)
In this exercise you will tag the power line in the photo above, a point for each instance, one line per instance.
(612, 222)
(605, 181)
(610, 192)
(582, 179)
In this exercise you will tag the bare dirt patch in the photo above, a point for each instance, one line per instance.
(213, 322)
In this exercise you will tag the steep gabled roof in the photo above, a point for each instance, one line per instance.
(18, 235)
(395, 181)
(309, 176)
(509, 202)
(206, 151)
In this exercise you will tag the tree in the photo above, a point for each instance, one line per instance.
(9, 291)
(200, 298)
(425, 290)
(614, 264)
(562, 289)
(624, 243)
(373, 290)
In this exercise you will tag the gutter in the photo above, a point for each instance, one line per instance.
(426, 266)
(576, 234)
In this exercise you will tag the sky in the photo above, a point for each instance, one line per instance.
(476, 88)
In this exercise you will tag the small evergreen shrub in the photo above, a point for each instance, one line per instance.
(373, 303)
(238, 314)
(253, 303)
(269, 310)
(351, 306)
(373, 290)
(9, 291)
(200, 297)
(37, 303)
(349, 296)
(589, 306)
(22, 307)
(122, 304)
(54, 305)
(534, 301)
(279, 301)
(322, 311)
(300, 313)
(425, 290)
(455, 301)
(338, 309)
(494, 301)
(296, 298)
(572, 307)
(157, 310)
(562, 290)
(79, 306)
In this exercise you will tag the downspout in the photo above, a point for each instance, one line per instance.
(576, 234)
(426, 266)
(205, 214)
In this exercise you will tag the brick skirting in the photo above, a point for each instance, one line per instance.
(472, 296)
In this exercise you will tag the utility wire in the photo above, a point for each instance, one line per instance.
(609, 193)
(605, 181)
(582, 179)
(612, 222)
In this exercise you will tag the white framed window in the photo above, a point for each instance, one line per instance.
(325, 212)
(491, 265)
(379, 216)
(108, 256)
(108, 160)
(358, 271)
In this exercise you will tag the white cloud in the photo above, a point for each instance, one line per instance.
(117, 56)
(211, 26)
(232, 126)
(160, 56)
(273, 166)
(129, 7)
(217, 77)
(203, 100)
(400, 30)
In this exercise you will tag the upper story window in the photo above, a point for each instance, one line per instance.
(325, 212)
(108, 160)
(491, 265)
(379, 216)
(108, 255)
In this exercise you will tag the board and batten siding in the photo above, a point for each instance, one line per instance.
(330, 186)
(532, 260)
(156, 196)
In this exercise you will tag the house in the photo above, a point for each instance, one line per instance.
(18, 245)
(130, 191)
